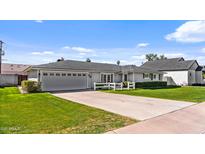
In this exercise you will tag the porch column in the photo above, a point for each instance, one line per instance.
(133, 77)
(87, 79)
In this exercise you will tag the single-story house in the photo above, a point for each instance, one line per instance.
(178, 71)
(72, 75)
(12, 74)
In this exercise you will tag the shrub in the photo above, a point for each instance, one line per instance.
(125, 84)
(198, 84)
(153, 84)
(30, 86)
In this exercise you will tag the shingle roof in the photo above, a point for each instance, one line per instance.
(80, 65)
(13, 68)
(92, 66)
(134, 68)
(169, 64)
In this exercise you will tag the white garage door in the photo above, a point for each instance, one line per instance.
(53, 81)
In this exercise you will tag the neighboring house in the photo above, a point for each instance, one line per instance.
(12, 74)
(178, 71)
(71, 75)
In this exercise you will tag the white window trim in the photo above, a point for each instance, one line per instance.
(107, 76)
(146, 78)
(155, 79)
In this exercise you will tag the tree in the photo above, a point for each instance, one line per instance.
(118, 62)
(61, 59)
(88, 60)
(162, 57)
(151, 57)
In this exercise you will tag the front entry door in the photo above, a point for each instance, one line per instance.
(125, 77)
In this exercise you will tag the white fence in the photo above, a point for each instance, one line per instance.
(114, 86)
(8, 79)
(131, 85)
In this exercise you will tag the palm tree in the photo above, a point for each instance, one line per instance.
(118, 62)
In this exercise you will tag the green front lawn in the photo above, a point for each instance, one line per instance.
(191, 94)
(44, 113)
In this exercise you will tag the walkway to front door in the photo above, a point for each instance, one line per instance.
(139, 108)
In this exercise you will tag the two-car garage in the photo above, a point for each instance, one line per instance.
(54, 81)
(70, 74)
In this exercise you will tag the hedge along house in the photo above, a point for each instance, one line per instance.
(178, 71)
(73, 75)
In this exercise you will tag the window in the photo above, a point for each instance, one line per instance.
(79, 74)
(154, 76)
(45, 74)
(105, 78)
(51, 74)
(111, 77)
(57, 74)
(68, 74)
(74, 74)
(108, 78)
(125, 77)
(151, 76)
(160, 76)
(145, 76)
(84, 74)
(63, 74)
(203, 75)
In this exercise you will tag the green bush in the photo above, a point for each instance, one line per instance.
(125, 84)
(30, 86)
(150, 84)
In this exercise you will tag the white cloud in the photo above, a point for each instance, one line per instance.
(36, 53)
(39, 21)
(82, 53)
(142, 45)
(200, 60)
(174, 55)
(82, 50)
(66, 47)
(203, 50)
(43, 53)
(190, 32)
(47, 60)
(78, 49)
(138, 57)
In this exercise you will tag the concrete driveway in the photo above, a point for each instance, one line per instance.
(189, 120)
(140, 108)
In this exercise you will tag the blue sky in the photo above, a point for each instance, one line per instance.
(37, 42)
